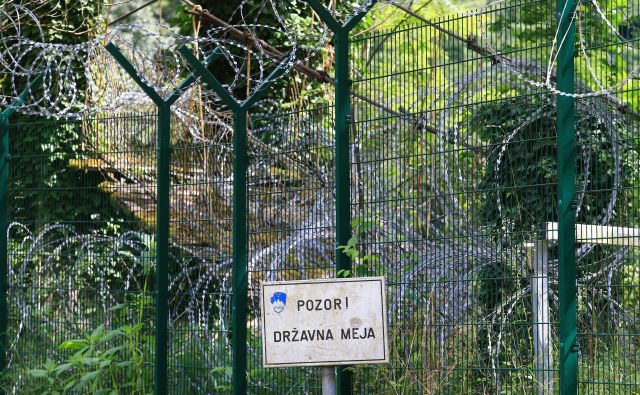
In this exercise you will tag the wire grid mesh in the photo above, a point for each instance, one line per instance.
(608, 274)
(452, 187)
(66, 287)
(201, 210)
(291, 222)
(82, 252)
(453, 177)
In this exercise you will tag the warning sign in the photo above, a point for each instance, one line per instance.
(324, 322)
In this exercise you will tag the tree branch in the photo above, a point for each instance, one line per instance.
(497, 58)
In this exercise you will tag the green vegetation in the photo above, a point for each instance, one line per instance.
(454, 151)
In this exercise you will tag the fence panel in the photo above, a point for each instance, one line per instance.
(201, 195)
(77, 194)
(454, 183)
(608, 265)
(291, 222)
(82, 253)
(453, 178)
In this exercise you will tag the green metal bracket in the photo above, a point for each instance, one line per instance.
(332, 23)
(162, 210)
(239, 269)
(567, 290)
(5, 157)
(22, 97)
(342, 130)
(202, 71)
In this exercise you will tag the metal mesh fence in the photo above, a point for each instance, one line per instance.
(80, 282)
(453, 194)
(608, 319)
(82, 255)
(452, 182)
(199, 274)
(291, 222)
(454, 159)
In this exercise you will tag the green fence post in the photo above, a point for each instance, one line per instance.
(342, 129)
(163, 151)
(343, 163)
(163, 157)
(5, 157)
(239, 275)
(567, 290)
(4, 222)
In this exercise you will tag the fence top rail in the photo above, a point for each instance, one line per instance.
(599, 234)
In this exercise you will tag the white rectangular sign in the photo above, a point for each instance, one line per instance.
(324, 322)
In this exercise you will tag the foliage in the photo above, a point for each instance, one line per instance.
(299, 24)
(521, 158)
(103, 271)
(64, 22)
(43, 183)
(514, 192)
(103, 362)
(367, 264)
(119, 361)
(42, 150)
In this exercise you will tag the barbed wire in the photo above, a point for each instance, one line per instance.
(81, 79)
(559, 40)
(108, 87)
(68, 67)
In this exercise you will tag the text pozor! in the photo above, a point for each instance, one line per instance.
(323, 304)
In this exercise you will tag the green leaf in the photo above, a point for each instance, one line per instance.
(70, 385)
(38, 373)
(352, 241)
(90, 376)
(106, 363)
(112, 351)
(62, 368)
(370, 258)
(97, 333)
(75, 344)
(89, 361)
(117, 307)
(110, 335)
